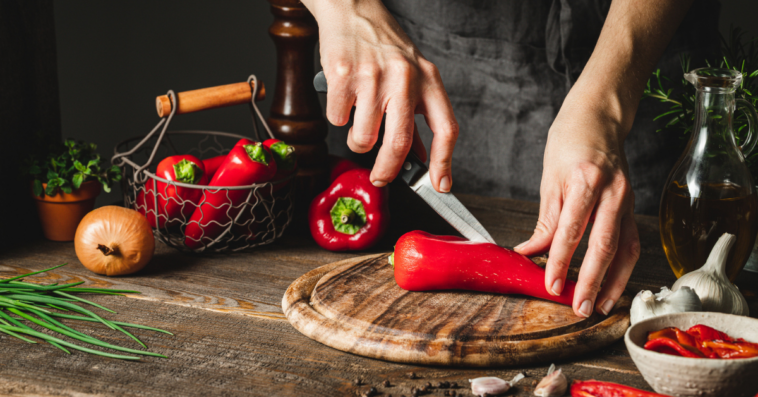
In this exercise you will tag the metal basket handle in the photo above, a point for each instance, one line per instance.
(193, 101)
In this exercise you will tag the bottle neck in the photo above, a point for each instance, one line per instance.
(714, 108)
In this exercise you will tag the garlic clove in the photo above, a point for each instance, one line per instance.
(711, 284)
(552, 385)
(646, 304)
(492, 385)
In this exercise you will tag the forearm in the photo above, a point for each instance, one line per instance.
(635, 34)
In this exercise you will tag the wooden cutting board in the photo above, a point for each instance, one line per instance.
(355, 306)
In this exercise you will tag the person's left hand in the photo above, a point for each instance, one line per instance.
(585, 180)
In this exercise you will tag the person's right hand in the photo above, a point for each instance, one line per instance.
(370, 63)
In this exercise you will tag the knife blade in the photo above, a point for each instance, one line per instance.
(416, 175)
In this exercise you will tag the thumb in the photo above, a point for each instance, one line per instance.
(539, 243)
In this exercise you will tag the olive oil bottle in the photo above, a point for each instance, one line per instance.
(710, 190)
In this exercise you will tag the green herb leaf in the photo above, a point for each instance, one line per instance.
(77, 180)
(37, 188)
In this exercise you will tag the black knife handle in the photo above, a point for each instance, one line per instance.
(413, 169)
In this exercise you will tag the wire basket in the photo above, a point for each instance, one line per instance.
(251, 215)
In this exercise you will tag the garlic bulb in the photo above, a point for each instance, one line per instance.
(552, 385)
(646, 304)
(492, 385)
(716, 292)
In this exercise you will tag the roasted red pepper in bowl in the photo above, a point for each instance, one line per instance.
(352, 214)
(174, 202)
(425, 262)
(244, 165)
(700, 341)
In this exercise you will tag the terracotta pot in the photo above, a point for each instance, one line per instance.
(61, 214)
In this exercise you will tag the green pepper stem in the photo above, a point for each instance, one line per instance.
(347, 216)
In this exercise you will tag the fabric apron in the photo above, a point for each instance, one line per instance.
(508, 65)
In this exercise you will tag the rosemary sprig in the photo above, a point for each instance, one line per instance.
(33, 303)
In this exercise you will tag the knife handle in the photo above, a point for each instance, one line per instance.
(417, 147)
(413, 169)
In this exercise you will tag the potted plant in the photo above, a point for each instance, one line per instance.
(65, 183)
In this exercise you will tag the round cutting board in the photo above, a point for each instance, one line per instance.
(355, 306)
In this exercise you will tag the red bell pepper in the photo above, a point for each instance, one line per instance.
(339, 166)
(174, 202)
(595, 388)
(286, 160)
(352, 214)
(212, 164)
(244, 165)
(424, 262)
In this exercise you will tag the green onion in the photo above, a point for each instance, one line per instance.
(33, 303)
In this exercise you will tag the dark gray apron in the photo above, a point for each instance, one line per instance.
(508, 65)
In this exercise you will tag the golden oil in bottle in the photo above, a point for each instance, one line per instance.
(691, 226)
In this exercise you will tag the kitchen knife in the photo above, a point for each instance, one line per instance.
(416, 175)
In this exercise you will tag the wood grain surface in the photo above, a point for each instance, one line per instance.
(232, 339)
(356, 306)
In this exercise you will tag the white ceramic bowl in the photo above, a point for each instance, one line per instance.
(683, 376)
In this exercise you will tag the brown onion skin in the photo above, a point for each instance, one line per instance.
(119, 228)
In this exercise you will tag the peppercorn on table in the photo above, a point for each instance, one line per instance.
(231, 337)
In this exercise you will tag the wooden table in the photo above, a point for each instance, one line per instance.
(231, 337)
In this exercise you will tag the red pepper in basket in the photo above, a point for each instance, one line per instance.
(425, 262)
(244, 165)
(594, 388)
(174, 202)
(286, 160)
(352, 214)
(212, 164)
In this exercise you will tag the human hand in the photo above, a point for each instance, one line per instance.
(370, 63)
(585, 181)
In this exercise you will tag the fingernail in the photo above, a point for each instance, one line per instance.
(445, 184)
(557, 287)
(607, 306)
(586, 308)
(522, 245)
(379, 183)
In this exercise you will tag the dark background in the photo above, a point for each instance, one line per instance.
(114, 57)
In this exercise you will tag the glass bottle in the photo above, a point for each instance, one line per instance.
(710, 191)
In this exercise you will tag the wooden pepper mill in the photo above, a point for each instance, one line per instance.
(296, 115)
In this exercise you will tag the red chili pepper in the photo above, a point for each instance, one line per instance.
(339, 166)
(424, 262)
(212, 164)
(594, 388)
(244, 165)
(286, 160)
(352, 214)
(666, 345)
(684, 339)
(174, 202)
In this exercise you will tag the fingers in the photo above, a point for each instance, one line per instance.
(542, 238)
(601, 251)
(581, 196)
(439, 116)
(341, 97)
(621, 267)
(398, 138)
(368, 118)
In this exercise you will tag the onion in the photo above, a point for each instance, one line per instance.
(114, 241)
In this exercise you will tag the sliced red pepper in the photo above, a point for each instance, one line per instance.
(684, 339)
(704, 332)
(174, 202)
(424, 262)
(664, 345)
(733, 349)
(244, 165)
(594, 388)
(352, 214)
